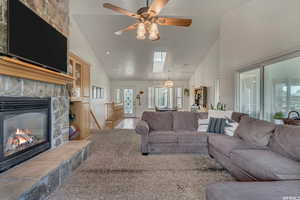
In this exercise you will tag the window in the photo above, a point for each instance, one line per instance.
(161, 97)
(179, 97)
(250, 92)
(97, 92)
(118, 96)
(271, 88)
(282, 87)
(165, 97)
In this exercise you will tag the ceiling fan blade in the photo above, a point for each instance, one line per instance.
(129, 28)
(157, 6)
(165, 21)
(120, 10)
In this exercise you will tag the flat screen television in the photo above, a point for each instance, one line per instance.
(32, 39)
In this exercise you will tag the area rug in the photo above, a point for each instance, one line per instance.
(116, 170)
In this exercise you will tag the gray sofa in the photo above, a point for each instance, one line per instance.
(173, 132)
(276, 190)
(260, 151)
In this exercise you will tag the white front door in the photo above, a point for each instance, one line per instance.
(129, 103)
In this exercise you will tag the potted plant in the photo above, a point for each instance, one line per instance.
(278, 118)
(186, 92)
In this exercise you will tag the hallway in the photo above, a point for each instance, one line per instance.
(127, 123)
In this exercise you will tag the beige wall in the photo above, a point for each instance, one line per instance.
(254, 32)
(80, 46)
(207, 73)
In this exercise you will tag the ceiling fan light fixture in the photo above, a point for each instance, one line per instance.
(118, 33)
(154, 32)
(141, 31)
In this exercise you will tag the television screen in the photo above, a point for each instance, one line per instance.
(31, 38)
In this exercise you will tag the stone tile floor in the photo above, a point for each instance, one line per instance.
(116, 170)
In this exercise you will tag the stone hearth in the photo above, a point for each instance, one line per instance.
(36, 178)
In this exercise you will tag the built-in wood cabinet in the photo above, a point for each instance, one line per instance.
(80, 94)
(80, 70)
(81, 109)
(86, 81)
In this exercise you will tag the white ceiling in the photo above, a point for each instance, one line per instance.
(131, 59)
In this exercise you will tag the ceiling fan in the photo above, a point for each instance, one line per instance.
(148, 19)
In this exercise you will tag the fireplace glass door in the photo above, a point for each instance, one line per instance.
(23, 130)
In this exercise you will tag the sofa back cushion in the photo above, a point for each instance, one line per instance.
(201, 115)
(236, 116)
(185, 121)
(286, 141)
(159, 121)
(255, 131)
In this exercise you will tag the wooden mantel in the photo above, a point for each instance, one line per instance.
(16, 68)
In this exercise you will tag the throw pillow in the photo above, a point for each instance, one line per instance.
(202, 125)
(230, 127)
(216, 125)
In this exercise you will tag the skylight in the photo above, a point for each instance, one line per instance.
(159, 61)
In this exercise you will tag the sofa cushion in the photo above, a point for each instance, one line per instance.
(236, 116)
(191, 137)
(255, 131)
(266, 165)
(225, 144)
(185, 121)
(158, 137)
(286, 141)
(254, 191)
(159, 121)
(201, 115)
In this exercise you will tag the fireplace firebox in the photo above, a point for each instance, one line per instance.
(25, 129)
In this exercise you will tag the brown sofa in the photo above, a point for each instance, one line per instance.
(260, 151)
(173, 132)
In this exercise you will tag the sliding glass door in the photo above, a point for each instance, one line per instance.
(282, 87)
(271, 88)
(249, 93)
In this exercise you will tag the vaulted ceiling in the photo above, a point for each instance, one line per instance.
(131, 59)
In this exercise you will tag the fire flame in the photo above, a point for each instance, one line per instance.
(22, 137)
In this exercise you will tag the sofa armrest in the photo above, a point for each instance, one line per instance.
(142, 128)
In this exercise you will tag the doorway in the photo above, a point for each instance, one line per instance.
(129, 104)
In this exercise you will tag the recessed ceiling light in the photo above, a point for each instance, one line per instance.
(107, 53)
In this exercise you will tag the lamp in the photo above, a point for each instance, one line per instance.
(168, 82)
(153, 32)
(141, 31)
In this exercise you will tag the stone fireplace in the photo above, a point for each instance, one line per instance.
(25, 129)
(18, 87)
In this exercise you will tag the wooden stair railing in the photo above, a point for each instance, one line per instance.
(114, 114)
